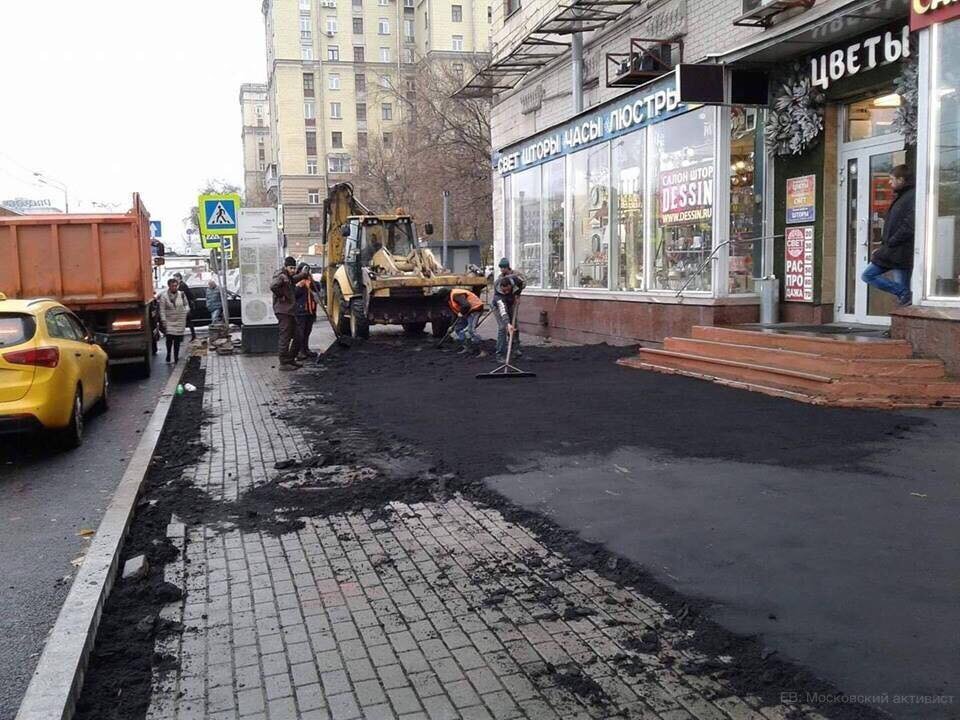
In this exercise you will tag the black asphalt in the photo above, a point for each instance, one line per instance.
(46, 499)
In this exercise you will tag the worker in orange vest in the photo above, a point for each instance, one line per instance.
(467, 308)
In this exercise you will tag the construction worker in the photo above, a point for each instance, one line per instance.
(284, 307)
(306, 294)
(467, 308)
(506, 294)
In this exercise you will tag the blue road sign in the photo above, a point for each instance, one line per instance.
(218, 214)
(156, 230)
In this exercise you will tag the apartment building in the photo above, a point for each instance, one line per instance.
(257, 142)
(334, 68)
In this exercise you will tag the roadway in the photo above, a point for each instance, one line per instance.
(46, 499)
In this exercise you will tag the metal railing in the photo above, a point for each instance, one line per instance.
(733, 241)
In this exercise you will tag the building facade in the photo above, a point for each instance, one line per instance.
(660, 204)
(336, 74)
(257, 142)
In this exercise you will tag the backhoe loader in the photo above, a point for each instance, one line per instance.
(376, 273)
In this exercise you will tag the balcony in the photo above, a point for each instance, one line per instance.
(647, 59)
(271, 179)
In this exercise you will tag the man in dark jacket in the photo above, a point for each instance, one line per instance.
(895, 254)
(505, 298)
(284, 307)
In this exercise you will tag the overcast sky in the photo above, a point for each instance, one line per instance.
(116, 96)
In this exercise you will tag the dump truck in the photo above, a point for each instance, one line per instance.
(375, 272)
(99, 266)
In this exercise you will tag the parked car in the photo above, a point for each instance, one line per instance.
(201, 316)
(52, 372)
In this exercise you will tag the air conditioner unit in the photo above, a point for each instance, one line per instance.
(329, 33)
(328, 3)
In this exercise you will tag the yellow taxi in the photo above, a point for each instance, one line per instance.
(51, 371)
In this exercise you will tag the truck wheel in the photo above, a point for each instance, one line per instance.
(358, 318)
(414, 328)
(439, 327)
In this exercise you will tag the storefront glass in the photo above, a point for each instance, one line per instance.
(590, 217)
(627, 188)
(508, 218)
(682, 179)
(554, 188)
(526, 224)
(746, 199)
(943, 260)
(872, 117)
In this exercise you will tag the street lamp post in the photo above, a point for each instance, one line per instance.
(57, 184)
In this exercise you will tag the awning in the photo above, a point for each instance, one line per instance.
(549, 39)
(826, 23)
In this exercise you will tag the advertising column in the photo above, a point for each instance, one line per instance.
(258, 263)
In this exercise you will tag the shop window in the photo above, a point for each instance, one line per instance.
(943, 253)
(871, 118)
(527, 224)
(682, 178)
(627, 201)
(746, 199)
(554, 189)
(590, 217)
(508, 220)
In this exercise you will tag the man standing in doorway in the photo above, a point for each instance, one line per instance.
(284, 307)
(895, 254)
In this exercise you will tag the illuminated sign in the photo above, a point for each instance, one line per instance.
(924, 13)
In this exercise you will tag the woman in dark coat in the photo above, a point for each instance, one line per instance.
(895, 254)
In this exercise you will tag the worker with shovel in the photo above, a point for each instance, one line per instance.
(467, 309)
(505, 299)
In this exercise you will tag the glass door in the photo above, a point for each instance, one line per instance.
(865, 198)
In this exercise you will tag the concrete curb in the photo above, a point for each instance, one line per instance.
(58, 679)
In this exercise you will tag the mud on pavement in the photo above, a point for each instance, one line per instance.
(399, 438)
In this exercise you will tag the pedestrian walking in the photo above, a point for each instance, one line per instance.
(284, 307)
(467, 308)
(305, 310)
(214, 303)
(185, 289)
(895, 254)
(506, 295)
(173, 307)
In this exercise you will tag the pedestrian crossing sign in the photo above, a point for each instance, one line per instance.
(218, 214)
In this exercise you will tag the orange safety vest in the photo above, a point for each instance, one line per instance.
(476, 304)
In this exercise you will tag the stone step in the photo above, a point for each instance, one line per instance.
(831, 365)
(876, 348)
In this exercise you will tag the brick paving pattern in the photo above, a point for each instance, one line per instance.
(435, 610)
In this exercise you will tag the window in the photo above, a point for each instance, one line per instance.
(358, 54)
(590, 217)
(336, 111)
(331, 25)
(308, 85)
(306, 52)
(408, 30)
(510, 7)
(314, 223)
(458, 70)
(333, 52)
(526, 224)
(311, 143)
(408, 55)
(336, 140)
(943, 231)
(357, 4)
(309, 110)
(383, 26)
(261, 154)
(305, 28)
(747, 153)
(386, 111)
(333, 81)
(311, 166)
(387, 139)
(456, 13)
(362, 140)
(384, 81)
(304, 5)
(489, 14)
(408, 3)
(383, 3)
(261, 166)
(361, 112)
(426, 20)
(360, 83)
(358, 26)
(682, 178)
(384, 55)
(338, 164)
(627, 188)
(458, 42)
(313, 196)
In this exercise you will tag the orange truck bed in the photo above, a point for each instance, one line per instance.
(83, 261)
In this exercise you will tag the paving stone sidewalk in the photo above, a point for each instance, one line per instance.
(436, 610)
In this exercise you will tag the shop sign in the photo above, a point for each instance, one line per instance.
(605, 122)
(798, 266)
(686, 194)
(867, 54)
(924, 13)
(802, 199)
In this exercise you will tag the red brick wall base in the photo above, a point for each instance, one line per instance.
(933, 333)
(806, 313)
(619, 322)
